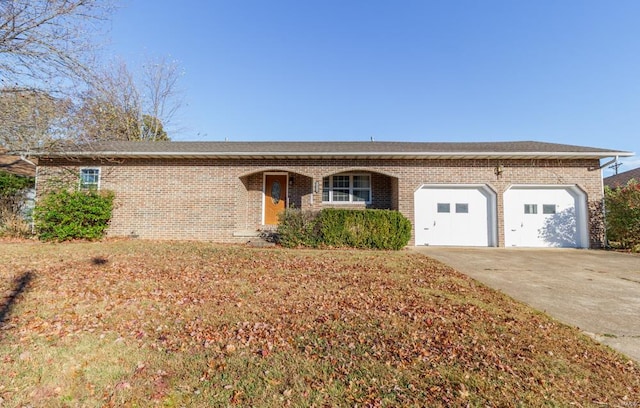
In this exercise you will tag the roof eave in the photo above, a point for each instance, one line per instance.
(346, 155)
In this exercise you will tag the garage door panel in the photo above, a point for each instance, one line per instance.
(456, 216)
(544, 217)
(560, 229)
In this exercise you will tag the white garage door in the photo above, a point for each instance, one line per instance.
(457, 215)
(545, 216)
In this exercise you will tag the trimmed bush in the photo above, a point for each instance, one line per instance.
(623, 216)
(367, 229)
(372, 229)
(297, 228)
(65, 215)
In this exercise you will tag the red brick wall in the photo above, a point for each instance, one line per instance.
(209, 199)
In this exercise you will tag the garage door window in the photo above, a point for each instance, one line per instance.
(347, 188)
(444, 207)
(462, 208)
(531, 208)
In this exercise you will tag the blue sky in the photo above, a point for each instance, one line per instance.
(555, 71)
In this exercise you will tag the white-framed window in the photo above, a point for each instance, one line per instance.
(90, 178)
(347, 188)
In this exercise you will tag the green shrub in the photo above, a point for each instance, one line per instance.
(65, 215)
(297, 228)
(374, 229)
(367, 229)
(12, 185)
(623, 215)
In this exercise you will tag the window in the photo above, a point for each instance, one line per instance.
(531, 208)
(341, 188)
(347, 188)
(89, 178)
(361, 188)
(548, 208)
(462, 208)
(444, 207)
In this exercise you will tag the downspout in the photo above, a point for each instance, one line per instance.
(615, 159)
(35, 199)
(604, 222)
(24, 158)
(604, 206)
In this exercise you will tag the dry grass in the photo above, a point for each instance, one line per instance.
(13, 225)
(134, 323)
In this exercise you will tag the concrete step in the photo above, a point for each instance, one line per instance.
(258, 239)
(247, 234)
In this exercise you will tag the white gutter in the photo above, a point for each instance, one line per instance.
(337, 154)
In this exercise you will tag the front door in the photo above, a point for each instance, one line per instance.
(275, 197)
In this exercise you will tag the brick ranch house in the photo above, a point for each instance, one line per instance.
(462, 194)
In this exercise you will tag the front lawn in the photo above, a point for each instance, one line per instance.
(139, 323)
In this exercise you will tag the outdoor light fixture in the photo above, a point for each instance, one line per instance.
(316, 187)
(499, 170)
(291, 181)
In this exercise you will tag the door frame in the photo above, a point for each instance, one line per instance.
(264, 190)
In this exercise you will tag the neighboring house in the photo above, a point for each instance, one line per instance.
(16, 165)
(21, 167)
(461, 194)
(622, 179)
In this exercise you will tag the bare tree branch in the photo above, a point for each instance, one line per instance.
(47, 49)
(31, 120)
(44, 44)
(162, 95)
(111, 108)
(116, 108)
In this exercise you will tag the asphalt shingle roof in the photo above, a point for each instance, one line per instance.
(338, 149)
(622, 179)
(15, 165)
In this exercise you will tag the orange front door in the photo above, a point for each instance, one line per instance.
(275, 197)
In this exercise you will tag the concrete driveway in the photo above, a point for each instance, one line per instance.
(596, 291)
